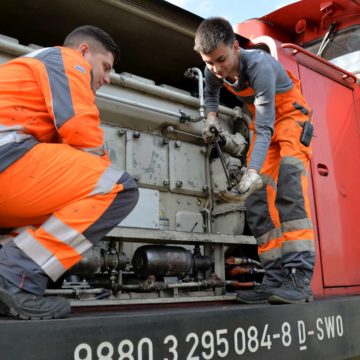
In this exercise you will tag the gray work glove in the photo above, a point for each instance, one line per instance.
(208, 134)
(250, 182)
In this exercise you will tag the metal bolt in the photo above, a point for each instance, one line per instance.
(166, 182)
(136, 134)
(203, 150)
(206, 188)
(165, 141)
(179, 183)
(178, 143)
(121, 132)
(137, 177)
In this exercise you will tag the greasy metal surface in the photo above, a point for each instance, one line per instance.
(173, 237)
(189, 221)
(187, 168)
(147, 159)
(146, 212)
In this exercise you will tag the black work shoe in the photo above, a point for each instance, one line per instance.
(258, 295)
(20, 303)
(295, 289)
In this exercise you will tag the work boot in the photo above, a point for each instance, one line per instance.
(258, 295)
(295, 289)
(20, 303)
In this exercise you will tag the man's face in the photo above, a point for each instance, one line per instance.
(101, 63)
(223, 61)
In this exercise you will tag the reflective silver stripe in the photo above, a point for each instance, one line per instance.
(269, 181)
(297, 246)
(100, 150)
(272, 234)
(36, 52)
(15, 133)
(293, 225)
(13, 136)
(4, 239)
(290, 160)
(107, 180)
(66, 234)
(59, 85)
(4, 128)
(40, 255)
(270, 255)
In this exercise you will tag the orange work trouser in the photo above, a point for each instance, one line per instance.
(74, 199)
(279, 213)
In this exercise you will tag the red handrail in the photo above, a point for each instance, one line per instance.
(297, 49)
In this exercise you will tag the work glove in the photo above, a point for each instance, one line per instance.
(250, 182)
(211, 129)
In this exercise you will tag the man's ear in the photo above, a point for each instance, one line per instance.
(236, 45)
(84, 48)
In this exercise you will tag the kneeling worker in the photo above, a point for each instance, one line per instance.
(54, 171)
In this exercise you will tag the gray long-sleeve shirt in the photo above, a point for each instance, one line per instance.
(267, 77)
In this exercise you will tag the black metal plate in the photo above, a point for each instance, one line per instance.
(327, 329)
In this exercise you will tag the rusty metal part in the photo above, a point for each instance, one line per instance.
(239, 284)
(241, 270)
(232, 260)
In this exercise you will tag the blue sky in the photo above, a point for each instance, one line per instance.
(233, 10)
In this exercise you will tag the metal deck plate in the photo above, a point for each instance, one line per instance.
(326, 329)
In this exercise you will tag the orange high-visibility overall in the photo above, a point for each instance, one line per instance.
(54, 172)
(279, 213)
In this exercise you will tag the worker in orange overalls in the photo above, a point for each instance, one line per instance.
(54, 171)
(275, 182)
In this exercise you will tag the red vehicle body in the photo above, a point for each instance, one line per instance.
(334, 94)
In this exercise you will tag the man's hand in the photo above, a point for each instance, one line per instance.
(211, 128)
(250, 182)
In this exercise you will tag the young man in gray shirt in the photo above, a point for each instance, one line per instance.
(274, 185)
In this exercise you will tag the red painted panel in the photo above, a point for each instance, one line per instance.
(336, 177)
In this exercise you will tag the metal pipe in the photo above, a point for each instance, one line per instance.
(130, 83)
(77, 291)
(196, 73)
(240, 270)
(196, 284)
(16, 49)
(12, 48)
(170, 130)
(178, 115)
(238, 284)
(240, 261)
(162, 285)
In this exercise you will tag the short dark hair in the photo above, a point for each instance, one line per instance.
(211, 33)
(88, 33)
